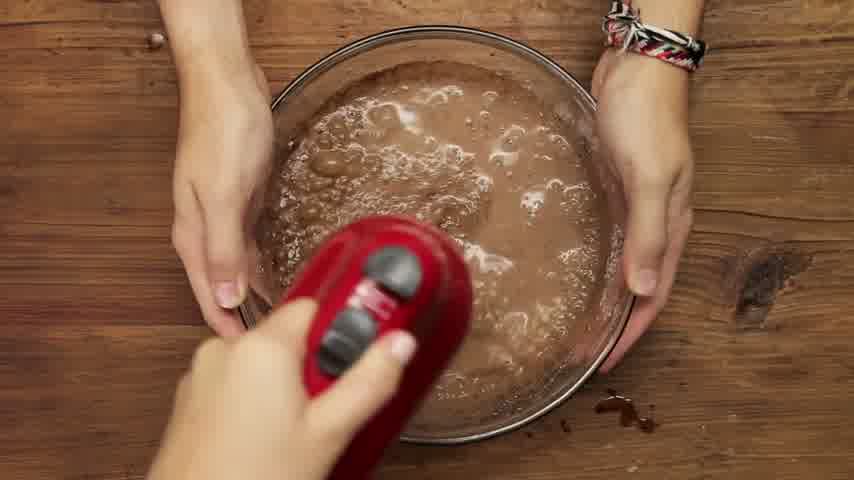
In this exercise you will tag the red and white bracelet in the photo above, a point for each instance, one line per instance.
(624, 30)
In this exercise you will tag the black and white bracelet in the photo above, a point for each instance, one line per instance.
(624, 30)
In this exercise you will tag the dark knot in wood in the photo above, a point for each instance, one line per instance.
(766, 273)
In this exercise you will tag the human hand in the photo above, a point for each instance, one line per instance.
(241, 411)
(643, 123)
(224, 154)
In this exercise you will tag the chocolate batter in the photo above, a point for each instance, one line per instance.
(628, 412)
(478, 156)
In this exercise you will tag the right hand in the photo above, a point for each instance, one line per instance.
(224, 155)
(241, 411)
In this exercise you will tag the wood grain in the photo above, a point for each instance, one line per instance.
(750, 367)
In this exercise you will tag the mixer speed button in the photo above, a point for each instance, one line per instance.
(396, 269)
(351, 333)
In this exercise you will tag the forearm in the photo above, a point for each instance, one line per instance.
(208, 38)
(684, 16)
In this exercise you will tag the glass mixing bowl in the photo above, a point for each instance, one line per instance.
(610, 301)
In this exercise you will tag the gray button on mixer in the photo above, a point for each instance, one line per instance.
(350, 335)
(397, 269)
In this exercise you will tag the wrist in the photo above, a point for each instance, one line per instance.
(626, 68)
(212, 48)
(618, 75)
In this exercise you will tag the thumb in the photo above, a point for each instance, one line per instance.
(226, 254)
(646, 235)
(363, 390)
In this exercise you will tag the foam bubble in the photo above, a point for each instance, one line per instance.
(511, 140)
(559, 140)
(437, 96)
(555, 184)
(329, 164)
(489, 97)
(484, 182)
(533, 200)
(506, 149)
(503, 159)
(392, 115)
(486, 262)
(570, 254)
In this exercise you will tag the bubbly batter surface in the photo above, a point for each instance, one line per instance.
(476, 155)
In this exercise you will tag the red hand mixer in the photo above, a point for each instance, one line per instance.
(376, 275)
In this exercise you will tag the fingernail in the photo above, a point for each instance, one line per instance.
(402, 346)
(645, 282)
(227, 294)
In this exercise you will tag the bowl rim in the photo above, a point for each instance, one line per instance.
(397, 35)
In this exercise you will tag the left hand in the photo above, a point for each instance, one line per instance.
(642, 121)
(242, 411)
(224, 155)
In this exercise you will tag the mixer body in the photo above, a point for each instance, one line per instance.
(378, 275)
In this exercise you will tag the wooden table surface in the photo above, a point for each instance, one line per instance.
(751, 366)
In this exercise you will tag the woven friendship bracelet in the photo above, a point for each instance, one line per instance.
(624, 29)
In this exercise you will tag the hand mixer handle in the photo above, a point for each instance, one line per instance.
(375, 276)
